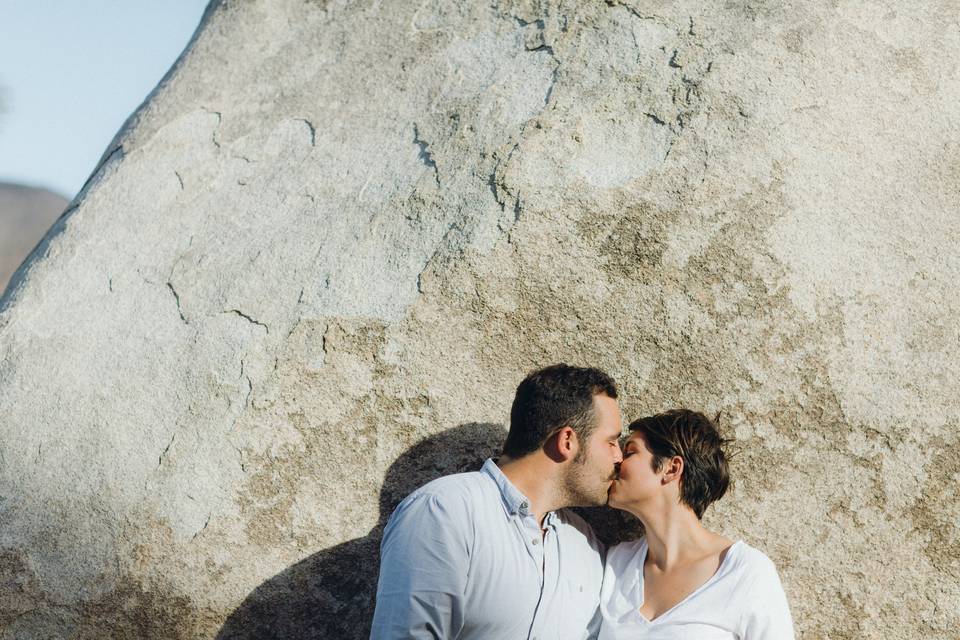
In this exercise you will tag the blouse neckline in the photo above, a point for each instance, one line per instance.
(644, 550)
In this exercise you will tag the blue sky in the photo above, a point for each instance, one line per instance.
(71, 71)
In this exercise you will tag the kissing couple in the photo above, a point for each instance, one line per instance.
(496, 554)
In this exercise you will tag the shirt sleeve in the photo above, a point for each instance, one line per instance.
(766, 615)
(424, 559)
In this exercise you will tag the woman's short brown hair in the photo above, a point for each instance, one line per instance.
(696, 439)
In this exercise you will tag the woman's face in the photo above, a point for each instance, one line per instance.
(637, 481)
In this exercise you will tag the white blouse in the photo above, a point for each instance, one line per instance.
(743, 600)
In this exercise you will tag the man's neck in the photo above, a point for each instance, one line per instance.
(534, 475)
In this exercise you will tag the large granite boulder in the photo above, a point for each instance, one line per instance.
(340, 231)
(25, 215)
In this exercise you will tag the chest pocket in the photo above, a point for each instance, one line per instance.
(578, 608)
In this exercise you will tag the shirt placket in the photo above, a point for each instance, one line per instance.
(548, 568)
(530, 532)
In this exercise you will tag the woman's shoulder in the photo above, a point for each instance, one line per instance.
(764, 611)
(750, 555)
(749, 560)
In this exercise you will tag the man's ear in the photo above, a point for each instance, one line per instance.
(567, 444)
(672, 470)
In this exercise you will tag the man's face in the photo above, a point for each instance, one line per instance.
(594, 469)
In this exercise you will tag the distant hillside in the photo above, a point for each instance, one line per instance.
(25, 214)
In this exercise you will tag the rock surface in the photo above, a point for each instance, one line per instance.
(25, 215)
(338, 230)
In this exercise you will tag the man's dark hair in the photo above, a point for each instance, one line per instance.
(552, 398)
(696, 439)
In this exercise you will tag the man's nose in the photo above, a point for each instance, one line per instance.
(618, 456)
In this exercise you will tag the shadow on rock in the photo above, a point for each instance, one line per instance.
(331, 593)
(610, 525)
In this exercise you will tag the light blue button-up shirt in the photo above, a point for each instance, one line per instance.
(463, 558)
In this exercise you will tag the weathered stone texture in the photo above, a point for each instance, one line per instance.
(338, 230)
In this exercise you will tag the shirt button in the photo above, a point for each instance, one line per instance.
(535, 541)
(524, 505)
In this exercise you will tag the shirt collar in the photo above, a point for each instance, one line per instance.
(514, 501)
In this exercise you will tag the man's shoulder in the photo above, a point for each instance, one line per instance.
(454, 489)
(451, 484)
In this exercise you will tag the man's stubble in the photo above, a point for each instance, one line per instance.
(584, 486)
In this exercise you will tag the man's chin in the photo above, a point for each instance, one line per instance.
(611, 496)
(598, 500)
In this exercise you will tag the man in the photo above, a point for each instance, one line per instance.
(493, 554)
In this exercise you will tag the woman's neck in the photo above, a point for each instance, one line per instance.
(674, 534)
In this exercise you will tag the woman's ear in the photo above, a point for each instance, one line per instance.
(672, 470)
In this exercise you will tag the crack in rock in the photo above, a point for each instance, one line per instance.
(165, 450)
(201, 528)
(243, 375)
(553, 79)
(425, 156)
(636, 12)
(535, 43)
(177, 298)
(313, 131)
(248, 318)
(656, 119)
(494, 185)
(213, 136)
(543, 47)
(243, 467)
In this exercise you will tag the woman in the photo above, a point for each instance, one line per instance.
(681, 581)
